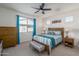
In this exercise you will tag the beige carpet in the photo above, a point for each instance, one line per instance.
(26, 50)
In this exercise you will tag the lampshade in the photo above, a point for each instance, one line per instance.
(66, 29)
(67, 32)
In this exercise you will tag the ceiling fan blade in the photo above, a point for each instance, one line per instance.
(47, 9)
(35, 8)
(37, 11)
(43, 12)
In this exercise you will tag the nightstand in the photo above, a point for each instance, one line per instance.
(69, 42)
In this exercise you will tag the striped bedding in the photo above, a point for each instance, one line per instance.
(50, 40)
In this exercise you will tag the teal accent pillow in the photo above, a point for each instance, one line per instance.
(54, 32)
(50, 33)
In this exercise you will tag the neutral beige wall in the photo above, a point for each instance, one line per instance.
(38, 25)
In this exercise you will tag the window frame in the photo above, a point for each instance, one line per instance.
(27, 25)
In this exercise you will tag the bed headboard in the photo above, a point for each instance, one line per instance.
(58, 29)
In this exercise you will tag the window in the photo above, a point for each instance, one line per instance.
(26, 25)
(30, 22)
(23, 21)
(30, 29)
(23, 29)
(69, 19)
(30, 25)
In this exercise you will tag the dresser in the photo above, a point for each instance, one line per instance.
(9, 36)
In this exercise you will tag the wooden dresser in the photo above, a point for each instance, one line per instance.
(69, 41)
(9, 36)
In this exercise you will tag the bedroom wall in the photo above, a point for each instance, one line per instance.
(38, 25)
(8, 19)
(73, 26)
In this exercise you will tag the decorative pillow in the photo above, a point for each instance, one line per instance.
(57, 32)
(50, 33)
(54, 32)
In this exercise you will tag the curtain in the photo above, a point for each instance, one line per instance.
(18, 29)
(34, 27)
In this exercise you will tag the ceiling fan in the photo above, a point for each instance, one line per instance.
(41, 8)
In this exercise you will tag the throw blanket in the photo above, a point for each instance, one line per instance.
(46, 40)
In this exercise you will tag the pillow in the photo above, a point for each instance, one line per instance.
(54, 32)
(50, 33)
(57, 32)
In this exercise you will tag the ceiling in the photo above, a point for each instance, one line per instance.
(26, 8)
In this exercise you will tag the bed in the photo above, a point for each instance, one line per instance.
(51, 39)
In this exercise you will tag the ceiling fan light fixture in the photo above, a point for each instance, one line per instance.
(42, 8)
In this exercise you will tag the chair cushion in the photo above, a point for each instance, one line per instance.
(37, 46)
